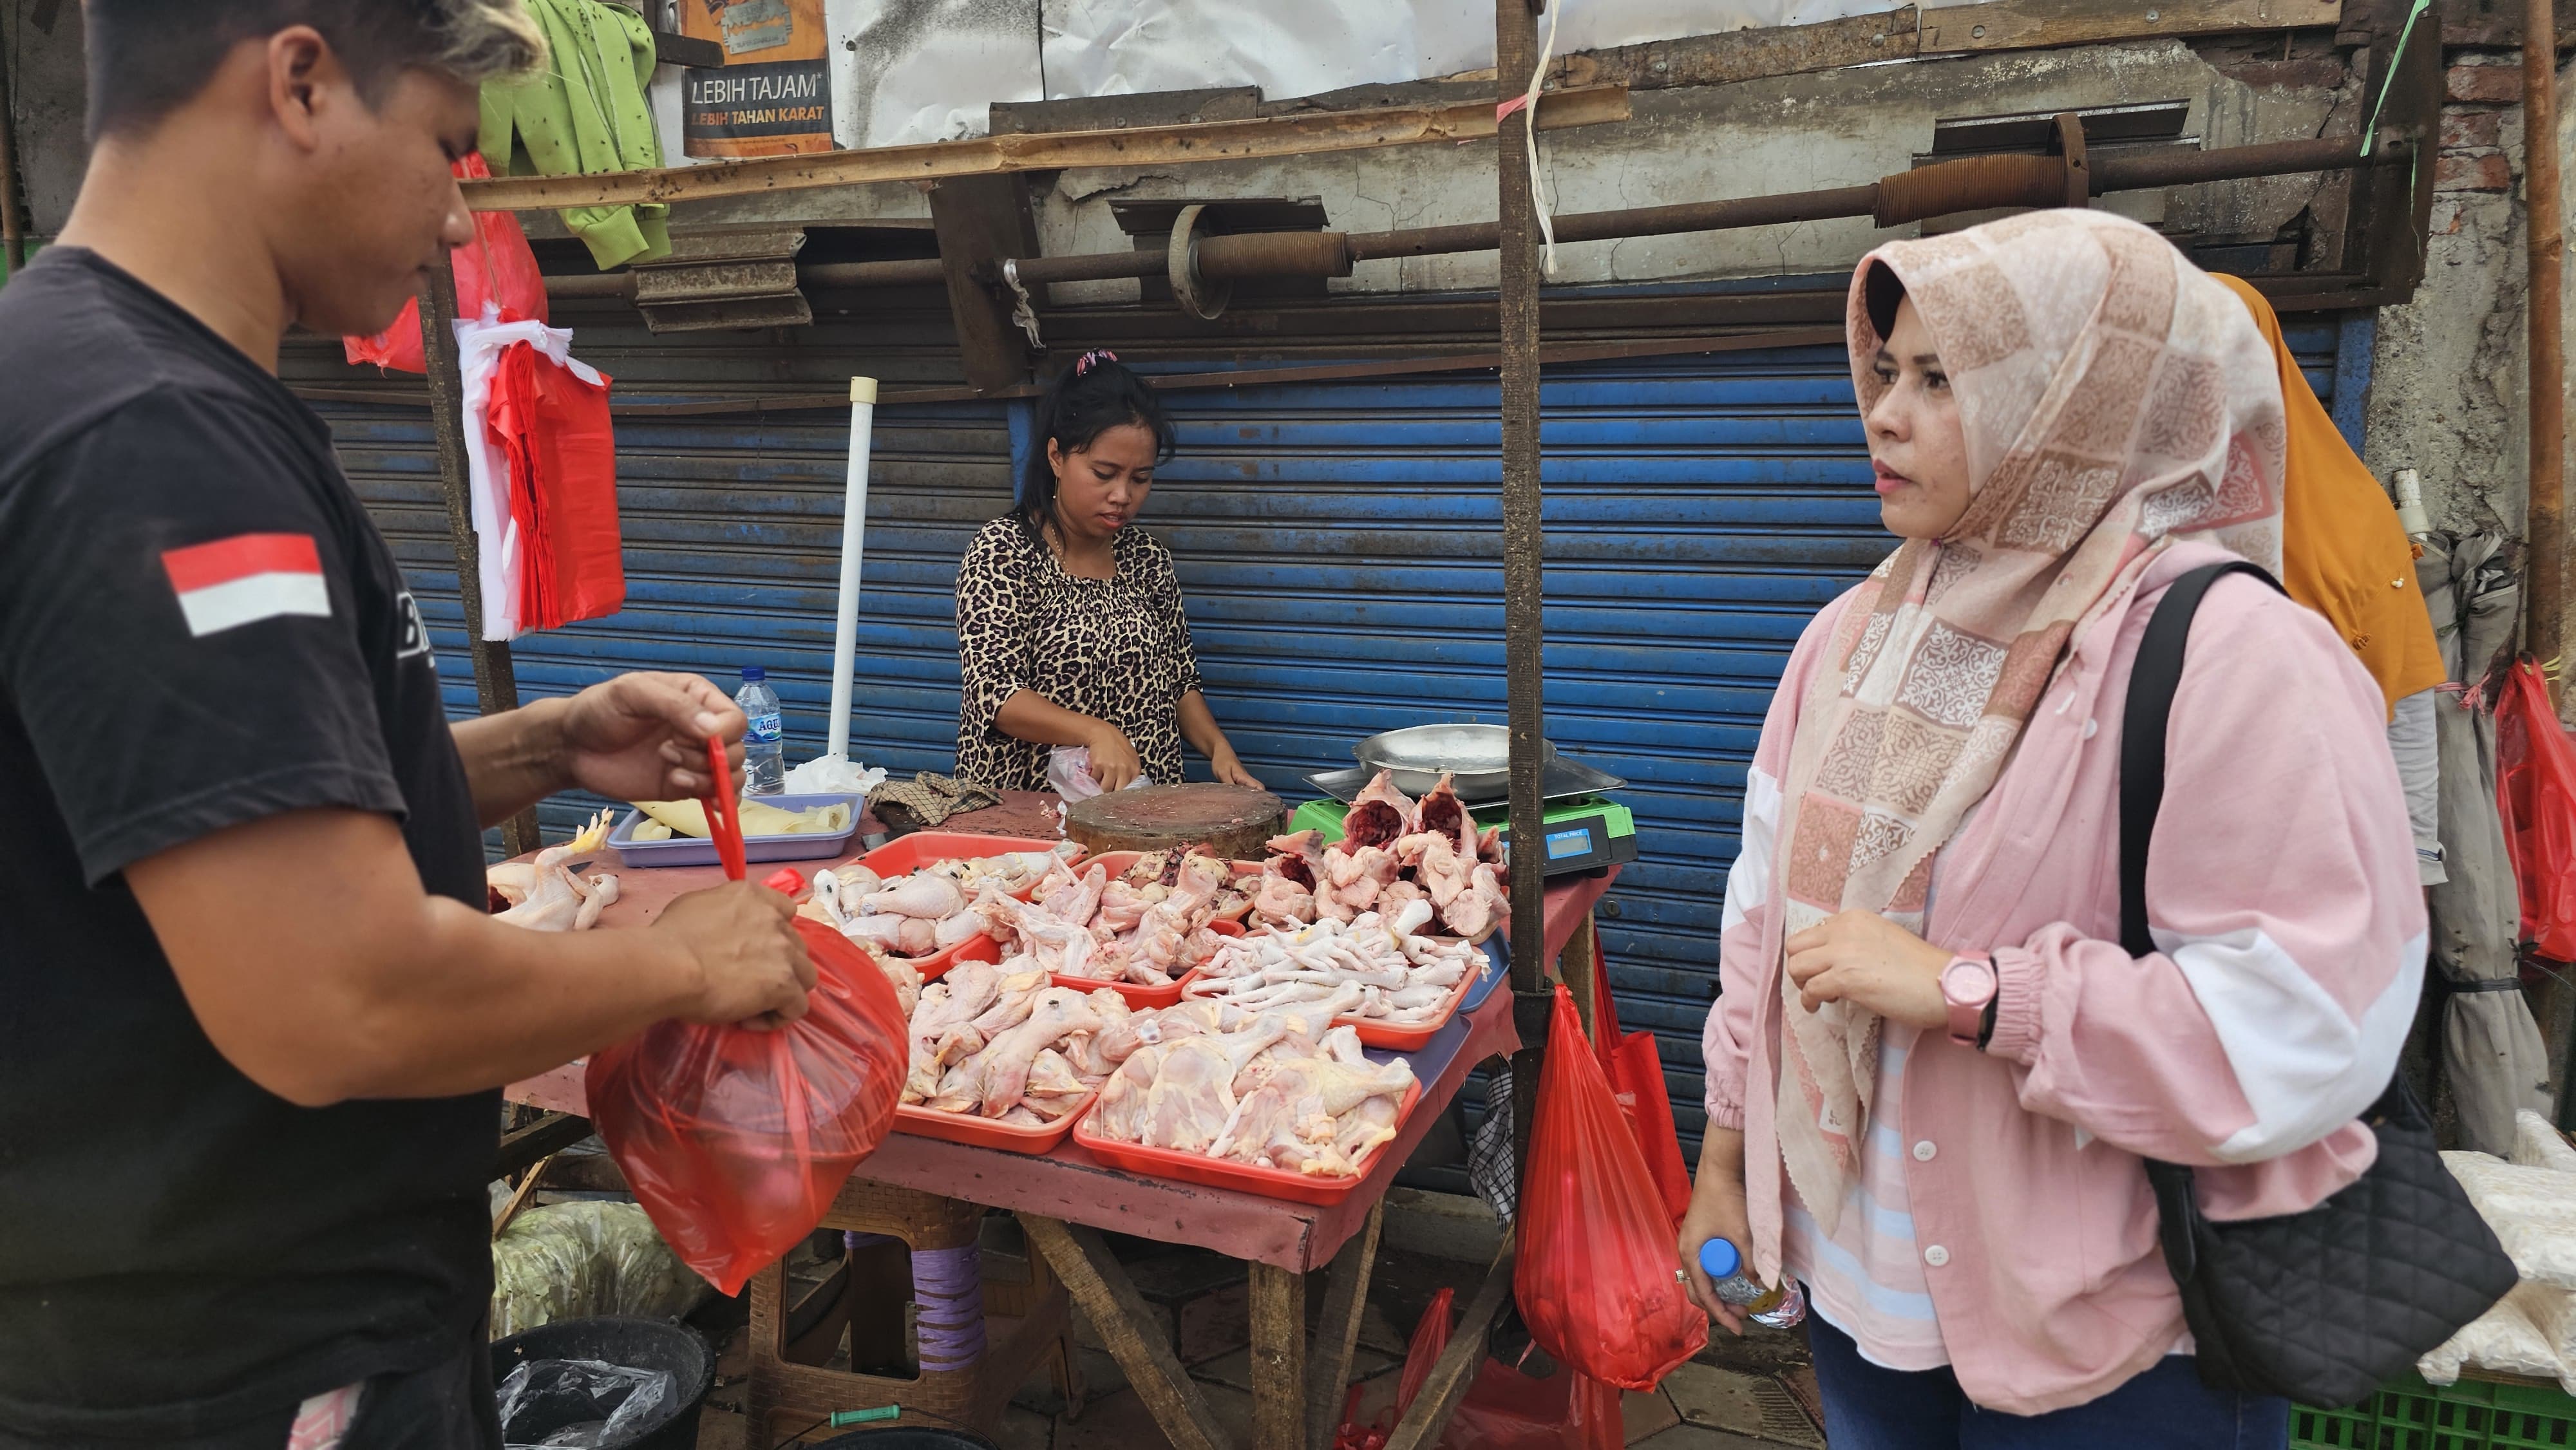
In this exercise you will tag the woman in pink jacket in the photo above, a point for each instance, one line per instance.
(1933, 1070)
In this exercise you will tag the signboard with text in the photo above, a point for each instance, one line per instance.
(773, 94)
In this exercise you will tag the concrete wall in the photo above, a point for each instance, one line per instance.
(46, 94)
(2450, 387)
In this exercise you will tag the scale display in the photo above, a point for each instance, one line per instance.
(1568, 844)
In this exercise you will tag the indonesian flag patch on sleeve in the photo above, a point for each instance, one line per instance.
(247, 578)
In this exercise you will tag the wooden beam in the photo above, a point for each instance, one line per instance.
(1081, 1258)
(688, 50)
(496, 681)
(1456, 1368)
(1345, 1305)
(2034, 24)
(981, 220)
(1743, 55)
(543, 1138)
(1051, 151)
(1278, 1358)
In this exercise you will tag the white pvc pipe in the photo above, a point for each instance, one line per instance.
(854, 538)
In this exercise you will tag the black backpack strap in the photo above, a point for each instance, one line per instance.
(2153, 677)
(2152, 681)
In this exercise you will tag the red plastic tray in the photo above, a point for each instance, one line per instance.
(1221, 1173)
(1375, 1033)
(981, 1132)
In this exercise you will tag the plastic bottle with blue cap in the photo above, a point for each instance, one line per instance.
(1770, 1307)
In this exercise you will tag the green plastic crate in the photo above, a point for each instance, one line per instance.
(2409, 1414)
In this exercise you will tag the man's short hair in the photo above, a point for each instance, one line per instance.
(147, 58)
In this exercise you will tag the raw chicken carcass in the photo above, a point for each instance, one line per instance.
(1442, 813)
(551, 897)
(1281, 901)
(1003, 1067)
(910, 936)
(1298, 856)
(1379, 814)
(923, 894)
(1480, 908)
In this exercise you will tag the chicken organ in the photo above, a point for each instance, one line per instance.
(1393, 854)
(545, 895)
(1263, 1089)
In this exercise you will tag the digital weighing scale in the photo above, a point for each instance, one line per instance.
(1586, 830)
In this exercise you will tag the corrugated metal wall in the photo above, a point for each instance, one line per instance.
(1339, 544)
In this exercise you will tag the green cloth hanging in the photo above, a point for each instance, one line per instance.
(585, 112)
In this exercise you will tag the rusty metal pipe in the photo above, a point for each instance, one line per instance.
(13, 231)
(1972, 183)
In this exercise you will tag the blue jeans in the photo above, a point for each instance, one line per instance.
(1868, 1407)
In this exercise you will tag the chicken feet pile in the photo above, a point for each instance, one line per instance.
(1393, 854)
(1277, 1089)
(1371, 968)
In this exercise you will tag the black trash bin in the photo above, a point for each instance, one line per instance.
(651, 1344)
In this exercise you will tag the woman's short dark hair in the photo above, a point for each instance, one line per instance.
(1091, 397)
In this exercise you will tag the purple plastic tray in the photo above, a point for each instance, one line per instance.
(698, 851)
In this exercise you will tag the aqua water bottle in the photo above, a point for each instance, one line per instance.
(1772, 1308)
(764, 744)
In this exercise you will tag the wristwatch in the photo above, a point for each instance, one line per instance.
(1968, 987)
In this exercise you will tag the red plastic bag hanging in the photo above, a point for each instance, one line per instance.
(736, 1141)
(1597, 1280)
(552, 427)
(1635, 1067)
(1503, 1409)
(496, 267)
(2536, 796)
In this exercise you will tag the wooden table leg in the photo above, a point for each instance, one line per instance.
(1345, 1304)
(1456, 1368)
(1278, 1358)
(1081, 1258)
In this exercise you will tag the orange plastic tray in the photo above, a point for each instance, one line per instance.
(1221, 1173)
(982, 1132)
(1377, 1033)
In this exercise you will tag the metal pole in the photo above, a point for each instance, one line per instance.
(2546, 526)
(854, 539)
(496, 685)
(13, 230)
(1515, 55)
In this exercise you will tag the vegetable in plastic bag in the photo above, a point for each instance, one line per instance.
(1597, 1281)
(579, 1260)
(578, 1404)
(2536, 794)
(736, 1141)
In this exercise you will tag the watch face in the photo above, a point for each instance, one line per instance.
(1968, 982)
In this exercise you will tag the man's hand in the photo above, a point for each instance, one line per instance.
(642, 737)
(752, 964)
(1866, 960)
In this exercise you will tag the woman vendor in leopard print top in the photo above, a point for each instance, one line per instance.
(1070, 630)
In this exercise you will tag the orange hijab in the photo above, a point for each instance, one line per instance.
(2343, 553)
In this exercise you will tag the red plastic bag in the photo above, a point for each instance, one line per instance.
(734, 1141)
(2536, 796)
(1635, 1067)
(1503, 1409)
(1597, 1280)
(551, 425)
(497, 268)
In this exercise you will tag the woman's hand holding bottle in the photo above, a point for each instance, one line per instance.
(1716, 1212)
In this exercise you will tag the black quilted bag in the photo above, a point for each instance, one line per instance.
(2321, 1306)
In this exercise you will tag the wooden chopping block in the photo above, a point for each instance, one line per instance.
(1231, 820)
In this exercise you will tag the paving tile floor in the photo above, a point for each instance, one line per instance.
(1748, 1394)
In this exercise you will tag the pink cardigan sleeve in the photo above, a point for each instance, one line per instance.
(2281, 895)
(1725, 1043)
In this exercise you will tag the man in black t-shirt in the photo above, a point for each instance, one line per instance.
(252, 1012)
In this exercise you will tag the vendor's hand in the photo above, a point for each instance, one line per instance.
(752, 966)
(642, 737)
(1866, 960)
(1113, 760)
(1716, 1212)
(1229, 771)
